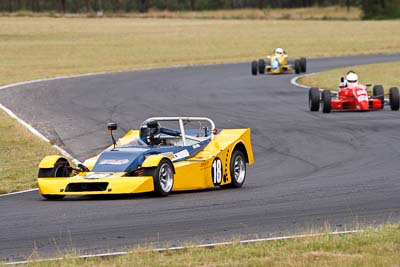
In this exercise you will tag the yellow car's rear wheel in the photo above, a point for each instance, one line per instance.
(254, 67)
(238, 168)
(297, 66)
(303, 64)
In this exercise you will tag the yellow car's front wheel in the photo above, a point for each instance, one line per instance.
(60, 169)
(163, 177)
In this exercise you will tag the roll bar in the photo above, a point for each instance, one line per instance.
(181, 121)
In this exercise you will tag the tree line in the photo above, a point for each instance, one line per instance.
(371, 8)
(76, 6)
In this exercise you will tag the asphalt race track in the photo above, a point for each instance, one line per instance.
(311, 170)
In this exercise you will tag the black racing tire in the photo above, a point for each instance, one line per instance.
(254, 67)
(60, 170)
(313, 99)
(297, 67)
(326, 101)
(303, 64)
(378, 93)
(237, 169)
(261, 66)
(163, 178)
(394, 98)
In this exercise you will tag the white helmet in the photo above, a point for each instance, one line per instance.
(352, 78)
(279, 51)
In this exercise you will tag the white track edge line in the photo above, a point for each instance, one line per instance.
(19, 192)
(209, 245)
(115, 72)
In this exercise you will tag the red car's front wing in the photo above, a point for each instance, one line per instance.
(351, 104)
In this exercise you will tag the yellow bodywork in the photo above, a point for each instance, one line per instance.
(190, 174)
(49, 161)
(116, 185)
(283, 64)
(153, 160)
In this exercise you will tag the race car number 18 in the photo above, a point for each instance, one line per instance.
(217, 171)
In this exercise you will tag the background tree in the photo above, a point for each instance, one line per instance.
(63, 6)
(143, 6)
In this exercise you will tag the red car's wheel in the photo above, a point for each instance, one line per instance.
(394, 98)
(313, 99)
(378, 93)
(326, 101)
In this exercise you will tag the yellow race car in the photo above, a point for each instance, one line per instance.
(166, 154)
(278, 63)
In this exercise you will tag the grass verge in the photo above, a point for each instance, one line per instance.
(385, 74)
(19, 155)
(372, 247)
(35, 48)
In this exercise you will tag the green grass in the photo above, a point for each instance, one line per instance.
(35, 48)
(386, 74)
(19, 155)
(373, 247)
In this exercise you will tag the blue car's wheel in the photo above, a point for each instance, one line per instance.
(163, 178)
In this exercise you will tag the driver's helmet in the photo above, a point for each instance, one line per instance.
(352, 79)
(279, 51)
(150, 132)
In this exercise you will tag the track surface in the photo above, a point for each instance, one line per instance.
(311, 169)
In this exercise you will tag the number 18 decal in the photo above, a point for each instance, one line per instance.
(217, 171)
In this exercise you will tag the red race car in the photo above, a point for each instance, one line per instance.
(352, 96)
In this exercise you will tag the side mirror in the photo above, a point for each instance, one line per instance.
(368, 84)
(112, 126)
(342, 79)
